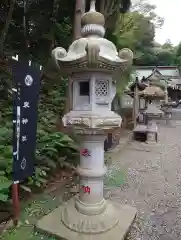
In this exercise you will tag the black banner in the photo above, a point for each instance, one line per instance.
(25, 114)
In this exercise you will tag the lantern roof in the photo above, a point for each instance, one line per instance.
(152, 91)
(92, 52)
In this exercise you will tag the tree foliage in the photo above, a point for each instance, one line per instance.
(49, 23)
(148, 10)
(136, 30)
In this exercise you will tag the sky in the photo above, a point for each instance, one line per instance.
(171, 12)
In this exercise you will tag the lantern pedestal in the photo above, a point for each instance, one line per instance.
(152, 133)
(118, 217)
(89, 215)
(151, 137)
(168, 116)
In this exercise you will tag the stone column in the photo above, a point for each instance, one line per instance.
(169, 109)
(166, 93)
(151, 137)
(91, 171)
(152, 133)
(90, 213)
(135, 105)
(168, 115)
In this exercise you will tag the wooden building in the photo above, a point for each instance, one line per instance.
(163, 76)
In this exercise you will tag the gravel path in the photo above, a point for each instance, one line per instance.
(153, 185)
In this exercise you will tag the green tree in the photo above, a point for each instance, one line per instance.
(178, 55)
(165, 58)
(164, 54)
(136, 32)
(167, 45)
(6, 11)
(148, 10)
(49, 23)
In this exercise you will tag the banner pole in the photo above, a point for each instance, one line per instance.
(16, 203)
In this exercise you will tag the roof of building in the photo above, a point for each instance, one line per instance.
(162, 67)
(157, 71)
(158, 74)
(152, 91)
(174, 82)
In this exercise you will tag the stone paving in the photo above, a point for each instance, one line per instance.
(153, 184)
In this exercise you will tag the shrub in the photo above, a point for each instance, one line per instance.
(54, 150)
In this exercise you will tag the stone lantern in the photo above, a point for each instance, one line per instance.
(93, 64)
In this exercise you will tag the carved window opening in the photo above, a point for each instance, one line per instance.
(84, 88)
(101, 88)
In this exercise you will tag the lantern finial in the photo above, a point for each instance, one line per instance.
(93, 6)
(93, 22)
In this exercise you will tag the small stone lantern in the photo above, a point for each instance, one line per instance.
(93, 64)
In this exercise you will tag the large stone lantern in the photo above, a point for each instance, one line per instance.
(93, 64)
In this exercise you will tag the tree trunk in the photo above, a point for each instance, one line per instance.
(79, 10)
(6, 27)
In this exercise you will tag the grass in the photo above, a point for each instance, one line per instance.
(114, 177)
(44, 203)
(33, 210)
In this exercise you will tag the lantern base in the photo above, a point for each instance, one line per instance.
(114, 223)
(151, 137)
(90, 223)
